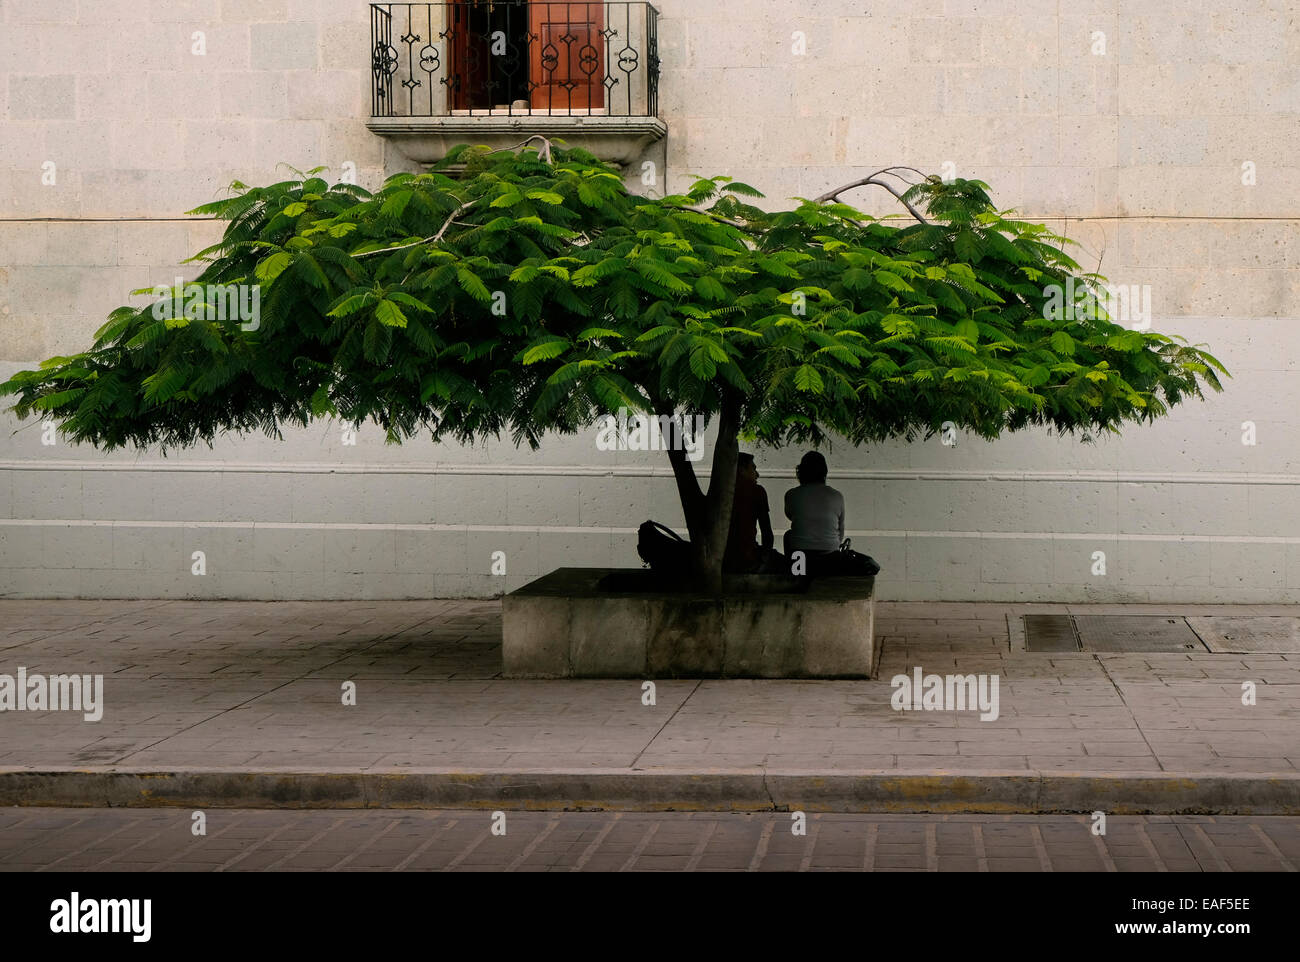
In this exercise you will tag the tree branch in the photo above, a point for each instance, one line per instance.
(739, 225)
(544, 154)
(451, 218)
(873, 181)
(389, 250)
(710, 550)
(723, 476)
(832, 194)
(688, 490)
(688, 485)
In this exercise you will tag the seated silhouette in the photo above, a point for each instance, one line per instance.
(816, 513)
(750, 511)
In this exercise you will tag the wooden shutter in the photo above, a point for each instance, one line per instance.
(567, 54)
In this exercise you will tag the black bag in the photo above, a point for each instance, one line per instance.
(844, 562)
(856, 563)
(663, 549)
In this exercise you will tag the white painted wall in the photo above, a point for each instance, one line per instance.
(1137, 153)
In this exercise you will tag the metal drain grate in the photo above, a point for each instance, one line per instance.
(1111, 633)
(1050, 633)
(1136, 633)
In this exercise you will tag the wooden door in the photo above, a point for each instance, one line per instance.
(462, 74)
(567, 53)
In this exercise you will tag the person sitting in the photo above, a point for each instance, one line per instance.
(816, 513)
(749, 510)
(815, 510)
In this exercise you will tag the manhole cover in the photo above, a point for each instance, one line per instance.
(1136, 633)
(1050, 633)
(1248, 635)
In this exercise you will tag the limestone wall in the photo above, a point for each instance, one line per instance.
(1169, 153)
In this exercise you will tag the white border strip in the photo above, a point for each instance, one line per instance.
(1096, 537)
(648, 471)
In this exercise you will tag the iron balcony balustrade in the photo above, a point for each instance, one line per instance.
(497, 71)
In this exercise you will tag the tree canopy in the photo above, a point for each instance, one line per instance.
(526, 291)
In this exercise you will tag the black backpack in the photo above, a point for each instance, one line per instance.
(663, 549)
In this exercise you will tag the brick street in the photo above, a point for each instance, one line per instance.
(150, 840)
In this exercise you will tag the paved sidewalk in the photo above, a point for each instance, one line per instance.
(253, 691)
(150, 840)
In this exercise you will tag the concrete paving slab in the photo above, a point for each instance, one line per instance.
(1272, 635)
(250, 701)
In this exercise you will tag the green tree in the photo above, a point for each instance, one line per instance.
(529, 291)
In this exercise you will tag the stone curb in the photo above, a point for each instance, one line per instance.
(660, 790)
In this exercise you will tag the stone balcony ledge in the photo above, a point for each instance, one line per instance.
(614, 139)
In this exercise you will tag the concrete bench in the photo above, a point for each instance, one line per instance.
(620, 623)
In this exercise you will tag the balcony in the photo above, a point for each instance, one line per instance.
(496, 72)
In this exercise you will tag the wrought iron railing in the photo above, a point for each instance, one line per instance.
(487, 57)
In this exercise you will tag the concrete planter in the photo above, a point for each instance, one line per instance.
(569, 625)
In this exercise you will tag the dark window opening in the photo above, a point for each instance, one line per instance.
(490, 43)
(527, 55)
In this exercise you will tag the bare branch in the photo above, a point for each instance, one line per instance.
(873, 180)
(451, 219)
(389, 250)
(739, 225)
(544, 154)
(833, 194)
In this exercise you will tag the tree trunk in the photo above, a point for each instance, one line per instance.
(708, 517)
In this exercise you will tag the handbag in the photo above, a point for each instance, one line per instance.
(843, 562)
(663, 549)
